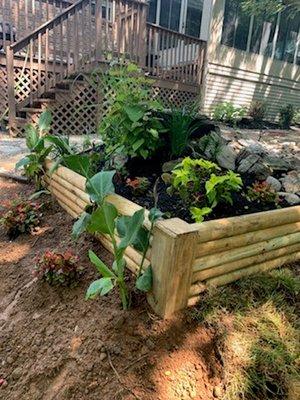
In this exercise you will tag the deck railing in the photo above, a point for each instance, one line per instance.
(90, 32)
(86, 33)
(174, 56)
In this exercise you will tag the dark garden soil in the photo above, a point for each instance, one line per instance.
(56, 345)
(173, 206)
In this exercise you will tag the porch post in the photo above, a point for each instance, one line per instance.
(11, 87)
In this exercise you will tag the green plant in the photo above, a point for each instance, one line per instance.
(139, 185)
(36, 138)
(58, 268)
(263, 193)
(199, 186)
(296, 120)
(257, 111)
(228, 113)
(180, 125)
(105, 220)
(286, 116)
(22, 216)
(189, 177)
(130, 126)
(33, 163)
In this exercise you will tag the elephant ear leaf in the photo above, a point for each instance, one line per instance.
(103, 219)
(45, 121)
(144, 282)
(131, 226)
(81, 225)
(100, 185)
(141, 241)
(100, 287)
(78, 163)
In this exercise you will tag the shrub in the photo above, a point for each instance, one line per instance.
(58, 268)
(21, 217)
(228, 113)
(296, 120)
(36, 138)
(181, 124)
(258, 111)
(130, 126)
(286, 116)
(263, 193)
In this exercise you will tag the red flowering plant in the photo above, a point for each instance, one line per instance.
(262, 192)
(21, 216)
(58, 268)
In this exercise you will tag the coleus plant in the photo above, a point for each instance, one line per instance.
(105, 220)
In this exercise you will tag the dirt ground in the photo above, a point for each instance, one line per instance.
(56, 345)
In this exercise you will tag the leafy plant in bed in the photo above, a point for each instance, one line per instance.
(104, 219)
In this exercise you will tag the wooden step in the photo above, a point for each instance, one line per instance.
(21, 120)
(31, 110)
(42, 100)
(58, 90)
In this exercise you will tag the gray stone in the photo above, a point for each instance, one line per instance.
(226, 157)
(276, 162)
(290, 198)
(274, 183)
(291, 182)
(103, 356)
(253, 164)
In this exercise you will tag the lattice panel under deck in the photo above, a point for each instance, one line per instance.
(3, 92)
(173, 97)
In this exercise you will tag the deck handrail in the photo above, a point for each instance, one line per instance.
(73, 41)
(172, 32)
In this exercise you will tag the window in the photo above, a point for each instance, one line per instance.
(170, 14)
(152, 11)
(193, 17)
(236, 26)
(279, 37)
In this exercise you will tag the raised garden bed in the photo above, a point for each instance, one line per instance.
(188, 258)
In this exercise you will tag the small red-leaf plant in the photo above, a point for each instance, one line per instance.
(139, 185)
(58, 268)
(263, 192)
(21, 216)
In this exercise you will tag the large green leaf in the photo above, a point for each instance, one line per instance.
(100, 185)
(79, 163)
(60, 143)
(141, 241)
(23, 162)
(99, 288)
(101, 267)
(132, 228)
(32, 136)
(135, 113)
(145, 281)
(45, 121)
(103, 219)
(81, 225)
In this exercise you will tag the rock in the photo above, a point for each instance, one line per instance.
(277, 163)
(226, 157)
(103, 356)
(253, 164)
(274, 183)
(291, 182)
(17, 373)
(290, 198)
(218, 392)
(210, 145)
(170, 165)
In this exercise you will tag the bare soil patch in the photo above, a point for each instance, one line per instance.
(56, 345)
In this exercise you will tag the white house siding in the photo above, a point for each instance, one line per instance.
(241, 78)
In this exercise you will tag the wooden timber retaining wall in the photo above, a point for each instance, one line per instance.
(188, 258)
